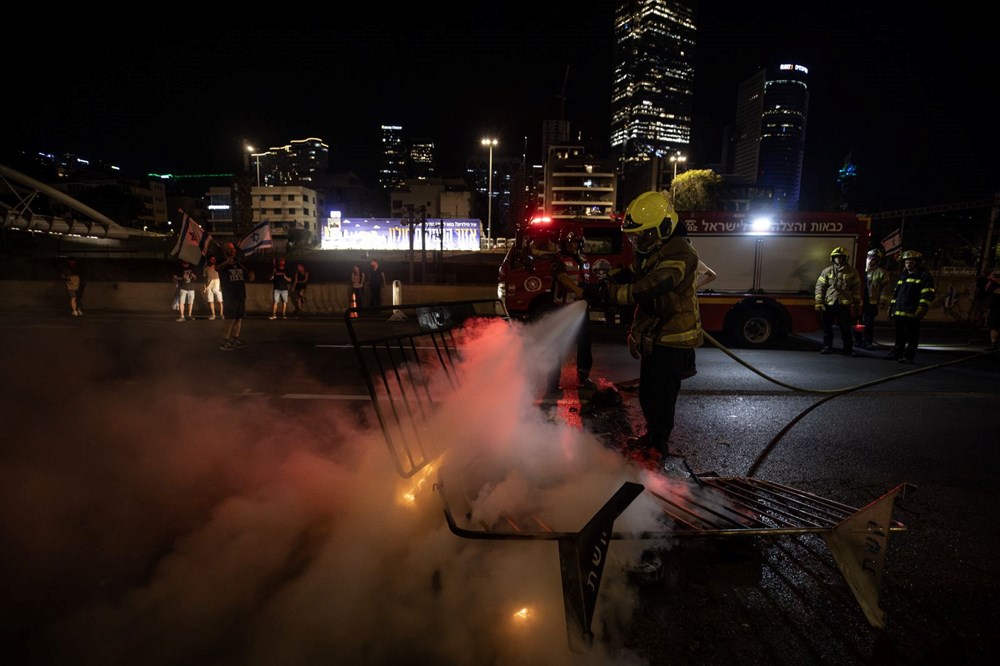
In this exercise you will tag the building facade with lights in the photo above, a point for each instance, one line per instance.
(300, 161)
(578, 186)
(771, 112)
(292, 210)
(652, 88)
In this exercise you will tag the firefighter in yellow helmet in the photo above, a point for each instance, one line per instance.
(838, 300)
(666, 325)
(909, 304)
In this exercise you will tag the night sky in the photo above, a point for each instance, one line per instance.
(905, 94)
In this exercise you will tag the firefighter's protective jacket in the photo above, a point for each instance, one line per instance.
(661, 286)
(875, 281)
(838, 285)
(914, 294)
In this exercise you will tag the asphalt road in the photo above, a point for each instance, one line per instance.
(143, 468)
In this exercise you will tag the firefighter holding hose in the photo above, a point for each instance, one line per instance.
(660, 285)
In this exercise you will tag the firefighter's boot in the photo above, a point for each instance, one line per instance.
(584, 382)
(653, 447)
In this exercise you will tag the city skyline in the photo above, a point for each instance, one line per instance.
(898, 92)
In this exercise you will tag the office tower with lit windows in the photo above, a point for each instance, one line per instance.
(652, 88)
(297, 162)
(305, 158)
(392, 170)
(422, 159)
(771, 111)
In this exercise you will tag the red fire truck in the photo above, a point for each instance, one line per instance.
(767, 267)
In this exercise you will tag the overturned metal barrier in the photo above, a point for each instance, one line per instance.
(405, 351)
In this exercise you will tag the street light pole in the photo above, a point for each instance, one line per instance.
(256, 156)
(676, 159)
(491, 143)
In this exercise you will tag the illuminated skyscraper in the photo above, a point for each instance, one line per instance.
(653, 78)
(392, 170)
(422, 159)
(771, 111)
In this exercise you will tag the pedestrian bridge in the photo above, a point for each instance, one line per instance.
(25, 203)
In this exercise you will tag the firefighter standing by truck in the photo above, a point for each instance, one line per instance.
(667, 324)
(871, 296)
(570, 282)
(838, 300)
(909, 305)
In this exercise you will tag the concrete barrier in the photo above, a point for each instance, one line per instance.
(152, 297)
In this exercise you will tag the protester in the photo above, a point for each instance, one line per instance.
(299, 283)
(374, 283)
(233, 276)
(875, 281)
(71, 277)
(666, 323)
(185, 279)
(279, 290)
(570, 279)
(909, 305)
(838, 299)
(357, 287)
(213, 290)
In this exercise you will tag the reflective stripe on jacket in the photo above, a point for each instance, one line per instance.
(914, 293)
(662, 289)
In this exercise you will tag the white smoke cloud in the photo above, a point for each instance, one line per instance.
(164, 528)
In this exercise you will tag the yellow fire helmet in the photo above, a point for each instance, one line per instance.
(911, 254)
(839, 252)
(649, 219)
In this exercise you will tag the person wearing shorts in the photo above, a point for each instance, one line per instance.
(185, 280)
(280, 282)
(213, 288)
(71, 276)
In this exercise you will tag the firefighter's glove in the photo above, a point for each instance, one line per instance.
(820, 307)
(920, 313)
(618, 294)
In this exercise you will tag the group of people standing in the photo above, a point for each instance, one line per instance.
(282, 283)
(842, 298)
(366, 286)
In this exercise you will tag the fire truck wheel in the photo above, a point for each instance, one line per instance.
(756, 328)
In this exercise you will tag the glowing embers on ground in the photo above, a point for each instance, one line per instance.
(419, 486)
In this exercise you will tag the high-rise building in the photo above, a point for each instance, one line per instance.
(422, 159)
(392, 171)
(297, 162)
(652, 88)
(771, 111)
(749, 111)
(507, 172)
